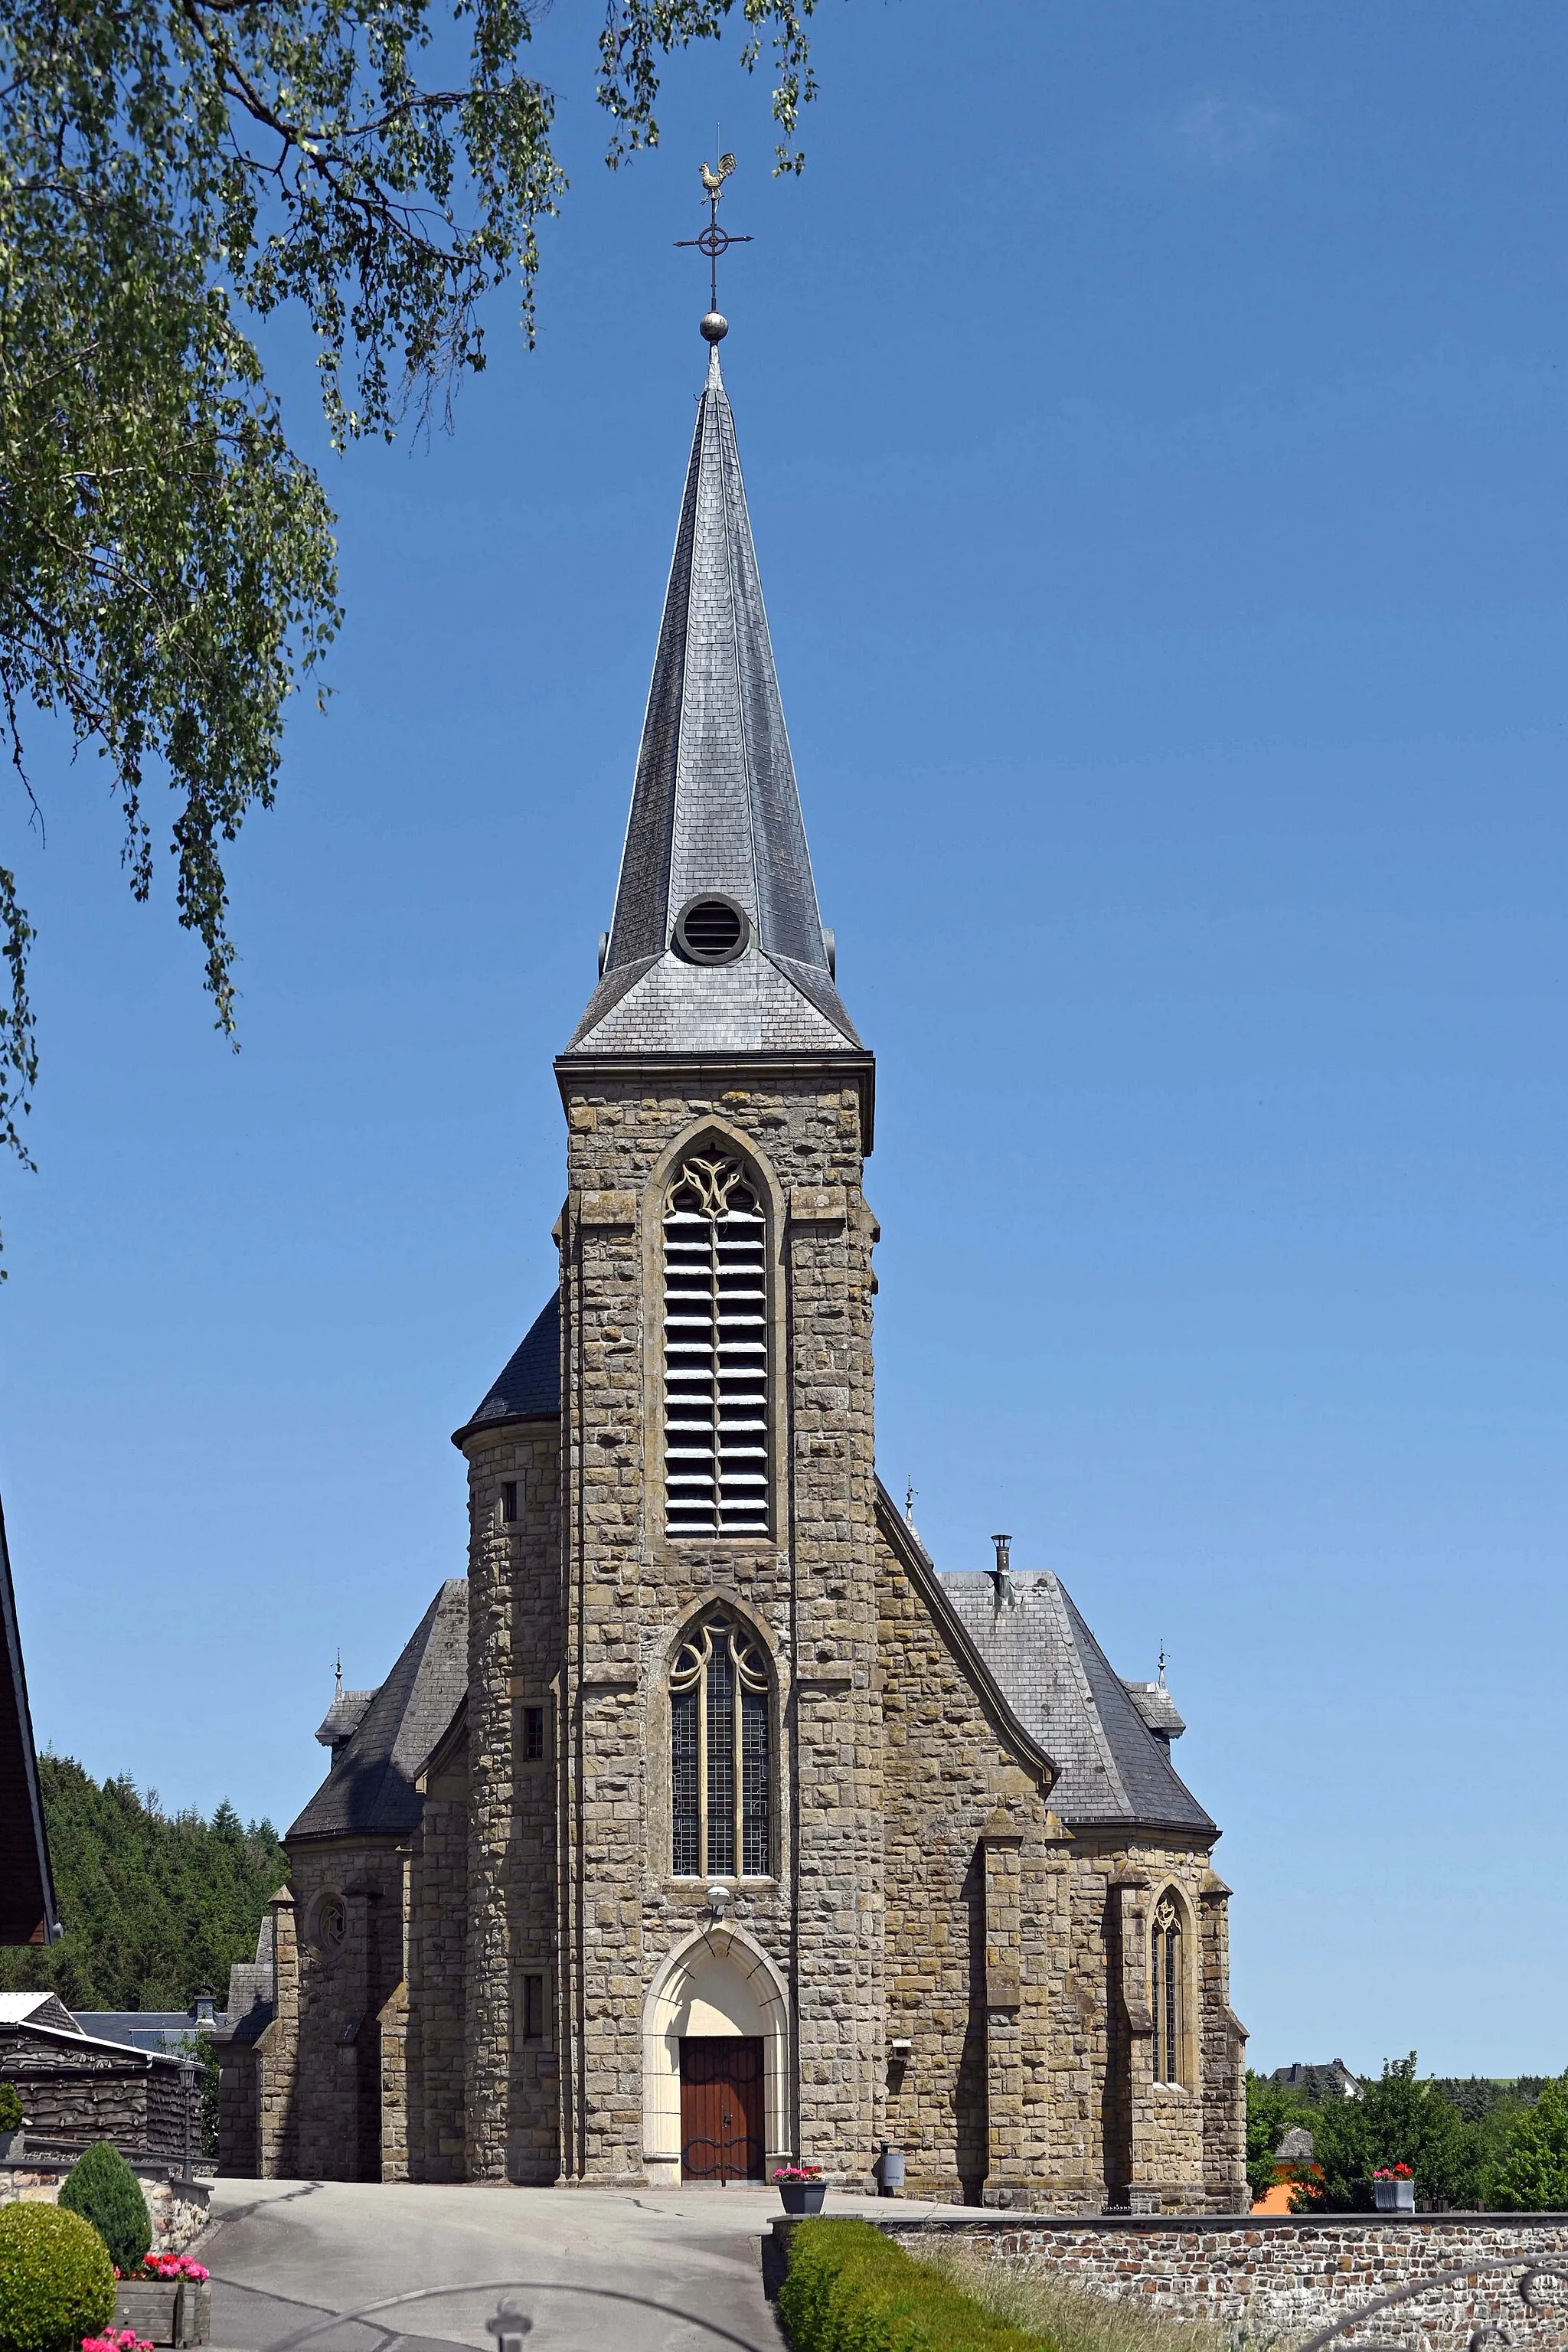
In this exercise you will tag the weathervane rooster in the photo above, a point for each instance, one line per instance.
(714, 177)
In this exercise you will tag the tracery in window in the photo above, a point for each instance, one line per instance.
(720, 1767)
(1166, 1989)
(715, 1352)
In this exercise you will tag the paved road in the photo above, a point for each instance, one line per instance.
(283, 2253)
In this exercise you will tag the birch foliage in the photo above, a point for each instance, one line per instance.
(172, 172)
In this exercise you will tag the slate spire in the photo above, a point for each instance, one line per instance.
(715, 816)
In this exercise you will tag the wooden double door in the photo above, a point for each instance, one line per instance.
(721, 2123)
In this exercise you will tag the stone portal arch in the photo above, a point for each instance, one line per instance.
(717, 1981)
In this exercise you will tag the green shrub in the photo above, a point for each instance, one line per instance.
(1529, 2168)
(57, 2282)
(101, 2188)
(851, 2289)
(11, 2115)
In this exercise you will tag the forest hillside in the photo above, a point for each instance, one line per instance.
(155, 1906)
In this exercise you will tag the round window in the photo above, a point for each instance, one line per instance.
(713, 929)
(330, 1926)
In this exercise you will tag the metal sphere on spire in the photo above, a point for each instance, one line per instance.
(714, 327)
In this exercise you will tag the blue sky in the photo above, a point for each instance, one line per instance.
(1153, 423)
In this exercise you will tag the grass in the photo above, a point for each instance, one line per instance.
(1073, 2318)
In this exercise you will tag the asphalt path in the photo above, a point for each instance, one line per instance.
(284, 2255)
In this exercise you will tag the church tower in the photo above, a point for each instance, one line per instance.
(676, 1732)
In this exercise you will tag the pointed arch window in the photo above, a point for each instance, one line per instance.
(721, 1754)
(1166, 1990)
(715, 1352)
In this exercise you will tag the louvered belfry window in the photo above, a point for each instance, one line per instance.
(1165, 1991)
(715, 1353)
(720, 1767)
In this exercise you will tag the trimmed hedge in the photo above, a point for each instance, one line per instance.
(56, 2281)
(101, 2188)
(851, 2289)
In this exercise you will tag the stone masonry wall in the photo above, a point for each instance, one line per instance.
(337, 2028)
(239, 2111)
(437, 1922)
(808, 1589)
(1018, 1969)
(947, 1774)
(392, 2061)
(1287, 2276)
(511, 2128)
(1223, 2057)
(278, 2052)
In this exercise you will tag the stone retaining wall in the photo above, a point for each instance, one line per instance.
(177, 2209)
(1284, 2276)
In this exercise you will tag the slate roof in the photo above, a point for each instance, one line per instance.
(370, 1792)
(528, 1385)
(252, 1984)
(28, 1913)
(168, 2033)
(37, 2009)
(715, 807)
(1060, 1682)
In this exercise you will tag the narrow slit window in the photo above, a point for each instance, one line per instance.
(1165, 1991)
(532, 1734)
(715, 1353)
(533, 2008)
(511, 1508)
(720, 1755)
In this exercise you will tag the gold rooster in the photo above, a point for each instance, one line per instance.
(714, 176)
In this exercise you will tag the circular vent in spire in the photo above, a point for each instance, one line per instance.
(713, 929)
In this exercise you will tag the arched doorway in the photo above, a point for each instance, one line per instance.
(716, 2102)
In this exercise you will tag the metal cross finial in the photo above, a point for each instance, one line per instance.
(1162, 1666)
(910, 1491)
(714, 241)
(338, 1670)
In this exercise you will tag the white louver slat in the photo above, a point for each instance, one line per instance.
(715, 1353)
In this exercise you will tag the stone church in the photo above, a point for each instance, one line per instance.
(707, 1823)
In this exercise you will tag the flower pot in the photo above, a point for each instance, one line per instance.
(1394, 2196)
(165, 2311)
(149, 2306)
(802, 2196)
(12, 2145)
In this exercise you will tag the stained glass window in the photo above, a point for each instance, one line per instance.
(720, 1760)
(1165, 1991)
